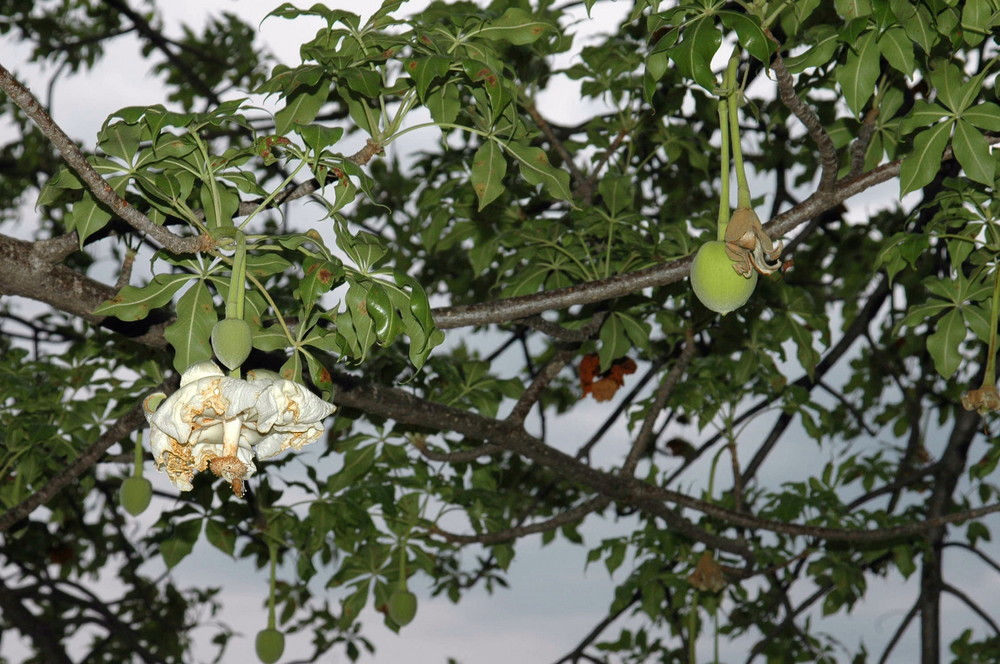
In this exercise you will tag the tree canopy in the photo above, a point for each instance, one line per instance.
(370, 368)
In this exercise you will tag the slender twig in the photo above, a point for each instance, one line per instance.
(663, 392)
(982, 556)
(898, 634)
(969, 602)
(576, 653)
(97, 185)
(533, 392)
(814, 126)
(860, 146)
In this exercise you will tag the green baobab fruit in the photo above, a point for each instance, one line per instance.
(232, 341)
(270, 645)
(135, 494)
(402, 607)
(719, 287)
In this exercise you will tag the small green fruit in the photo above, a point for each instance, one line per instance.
(402, 607)
(232, 341)
(716, 283)
(135, 494)
(270, 645)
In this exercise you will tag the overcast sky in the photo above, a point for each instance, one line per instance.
(552, 602)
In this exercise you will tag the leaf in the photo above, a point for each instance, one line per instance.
(443, 104)
(301, 106)
(488, 170)
(181, 541)
(943, 344)
(923, 114)
(86, 217)
(120, 140)
(694, 54)
(190, 335)
(973, 153)
(920, 166)
(897, 49)
(424, 70)
(515, 26)
(132, 303)
(825, 42)
(536, 169)
(220, 536)
(852, 9)
(985, 116)
(317, 136)
(749, 34)
(614, 342)
(858, 75)
(357, 463)
(617, 192)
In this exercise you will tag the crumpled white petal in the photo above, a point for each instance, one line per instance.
(217, 417)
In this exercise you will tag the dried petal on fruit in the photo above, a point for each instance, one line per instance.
(708, 574)
(749, 246)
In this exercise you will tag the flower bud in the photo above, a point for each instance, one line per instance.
(270, 645)
(402, 607)
(232, 341)
(135, 494)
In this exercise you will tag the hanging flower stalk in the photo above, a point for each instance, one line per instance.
(724, 271)
(219, 422)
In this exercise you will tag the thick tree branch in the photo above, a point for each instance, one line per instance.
(97, 185)
(408, 409)
(569, 516)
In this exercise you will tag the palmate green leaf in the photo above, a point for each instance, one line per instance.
(443, 104)
(135, 303)
(897, 48)
(858, 75)
(617, 192)
(190, 335)
(978, 17)
(515, 26)
(949, 84)
(220, 536)
(357, 463)
(943, 343)
(536, 169)
(750, 35)
(86, 217)
(985, 116)
(614, 342)
(425, 70)
(973, 153)
(488, 170)
(825, 41)
(181, 541)
(920, 166)
(317, 137)
(923, 114)
(694, 54)
(302, 106)
(120, 140)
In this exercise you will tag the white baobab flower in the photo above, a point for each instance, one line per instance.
(219, 422)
